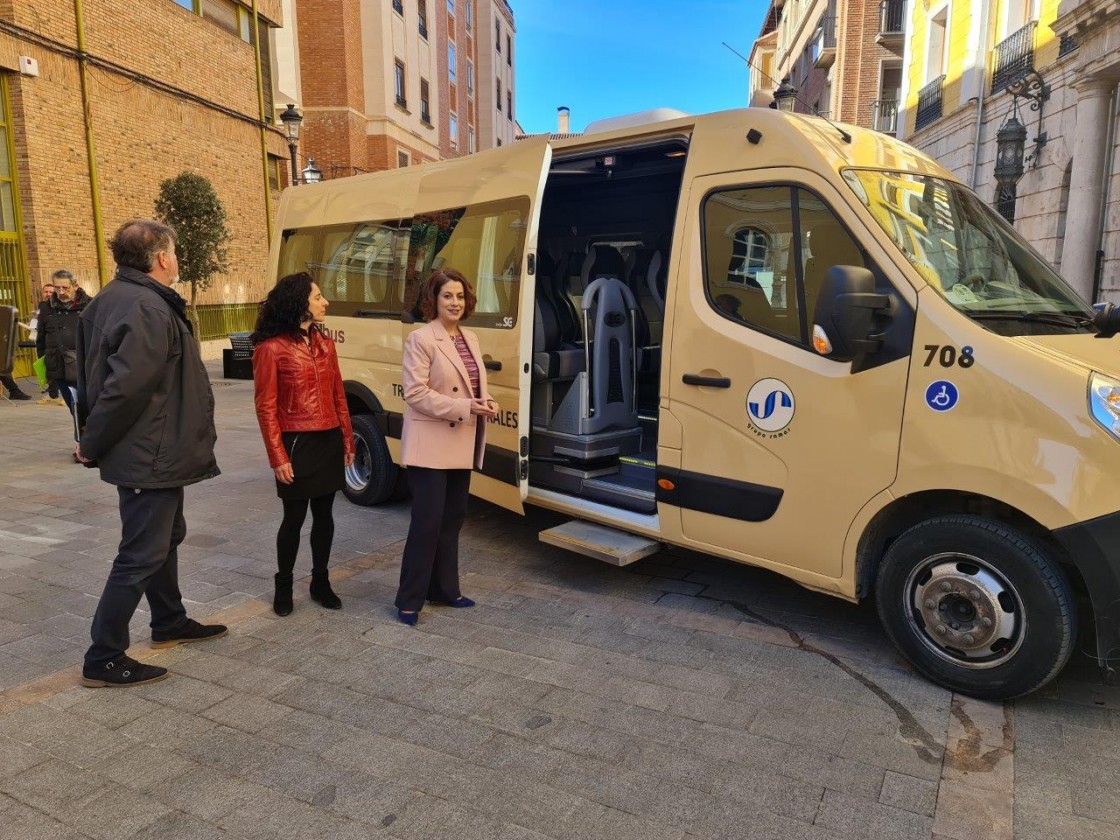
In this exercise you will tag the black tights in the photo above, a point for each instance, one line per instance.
(322, 534)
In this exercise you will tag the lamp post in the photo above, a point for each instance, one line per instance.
(1011, 140)
(292, 119)
(785, 97)
(312, 174)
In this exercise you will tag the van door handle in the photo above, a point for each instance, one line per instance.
(706, 381)
(491, 364)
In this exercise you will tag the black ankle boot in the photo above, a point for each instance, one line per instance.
(282, 600)
(322, 593)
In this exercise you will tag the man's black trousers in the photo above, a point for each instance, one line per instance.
(147, 564)
(430, 565)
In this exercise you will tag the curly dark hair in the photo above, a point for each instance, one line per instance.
(285, 308)
(436, 281)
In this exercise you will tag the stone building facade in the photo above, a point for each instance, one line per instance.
(1067, 203)
(102, 101)
(389, 83)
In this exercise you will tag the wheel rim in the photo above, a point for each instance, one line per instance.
(965, 611)
(358, 473)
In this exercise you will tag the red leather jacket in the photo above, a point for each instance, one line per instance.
(298, 389)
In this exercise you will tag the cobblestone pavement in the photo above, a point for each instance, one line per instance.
(682, 697)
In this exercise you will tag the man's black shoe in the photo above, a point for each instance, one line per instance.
(122, 671)
(19, 395)
(191, 631)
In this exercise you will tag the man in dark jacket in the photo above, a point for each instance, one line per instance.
(147, 416)
(56, 338)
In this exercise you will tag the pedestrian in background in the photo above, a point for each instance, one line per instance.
(443, 438)
(147, 414)
(57, 338)
(14, 391)
(32, 327)
(301, 408)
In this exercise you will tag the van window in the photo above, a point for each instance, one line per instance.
(298, 250)
(766, 250)
(486, 243)
(361, 267)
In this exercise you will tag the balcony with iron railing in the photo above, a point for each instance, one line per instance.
(1066, 45)
(929, 103)
(824, 42)
(884, 115)
(892, 24)
(1013, 57)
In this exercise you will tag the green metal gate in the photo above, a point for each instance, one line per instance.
(14, 286)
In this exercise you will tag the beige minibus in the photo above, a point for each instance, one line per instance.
(759, 335)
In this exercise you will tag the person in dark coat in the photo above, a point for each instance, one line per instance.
(146, 413)
(56, 336)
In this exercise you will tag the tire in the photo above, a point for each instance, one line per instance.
(976, 606)
(373, 477)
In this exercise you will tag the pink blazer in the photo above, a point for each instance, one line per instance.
(439, 430)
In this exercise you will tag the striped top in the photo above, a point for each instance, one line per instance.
(468, 362)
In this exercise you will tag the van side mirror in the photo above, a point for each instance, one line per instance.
(846, 314)
(1107, 319)
(9, 334)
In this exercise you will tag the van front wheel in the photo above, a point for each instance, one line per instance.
(372, 478)
(976, 606)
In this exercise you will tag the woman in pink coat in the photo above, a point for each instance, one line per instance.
(443, 439)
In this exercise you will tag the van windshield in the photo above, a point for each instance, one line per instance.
(969, 254)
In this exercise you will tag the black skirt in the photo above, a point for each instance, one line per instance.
(317, 461)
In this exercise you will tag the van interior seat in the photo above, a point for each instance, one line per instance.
(640, 263)
(554, 357)
(611, 386)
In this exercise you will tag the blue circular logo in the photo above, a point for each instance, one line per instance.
(942, 395)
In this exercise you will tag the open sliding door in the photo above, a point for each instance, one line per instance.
(479, 214)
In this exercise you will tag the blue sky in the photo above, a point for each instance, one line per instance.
(604, 58)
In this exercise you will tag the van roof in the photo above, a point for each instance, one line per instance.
(718, 142)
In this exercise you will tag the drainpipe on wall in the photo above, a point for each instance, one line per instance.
(985, 38)
(91, 150)
(264, 125)
(1098, 263)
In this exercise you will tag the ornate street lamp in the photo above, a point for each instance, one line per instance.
(292, 119)
(785, 97)
(1011, 141)
(311, 175)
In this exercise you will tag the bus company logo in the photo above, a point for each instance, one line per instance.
(770, 405)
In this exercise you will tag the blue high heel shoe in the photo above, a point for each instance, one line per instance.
(460, 602)
(409, 618)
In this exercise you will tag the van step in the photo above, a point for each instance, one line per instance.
(607, 544)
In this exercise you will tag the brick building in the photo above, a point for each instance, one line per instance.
(844, 58)
(389, 83)
(101, 101)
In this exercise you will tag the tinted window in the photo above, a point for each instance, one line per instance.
(766, 253)
(362, 267)
(486, 243)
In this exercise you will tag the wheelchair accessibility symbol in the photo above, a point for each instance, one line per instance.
(942, 395)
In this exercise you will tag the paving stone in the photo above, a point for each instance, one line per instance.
(114, 813)
(1039, 824)
(909, 794)
(249, 714)
(52, 786)
(862, 820)
(209, 793)
(144, 767)
(179, 826)
(23, 823)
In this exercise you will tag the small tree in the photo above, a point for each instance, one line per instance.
(189, 204)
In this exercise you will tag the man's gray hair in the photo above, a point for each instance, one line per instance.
(137, 243)
(63, 274)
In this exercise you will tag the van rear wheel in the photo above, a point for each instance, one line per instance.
(976, 606)
(372, 478)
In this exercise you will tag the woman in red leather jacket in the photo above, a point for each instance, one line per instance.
(301, 408)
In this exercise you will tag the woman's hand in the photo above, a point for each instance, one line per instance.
(348, 459)
(284, 473)
(484, 408)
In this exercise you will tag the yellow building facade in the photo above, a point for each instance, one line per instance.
(970, 66)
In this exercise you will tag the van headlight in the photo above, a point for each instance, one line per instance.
(1104, 402)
